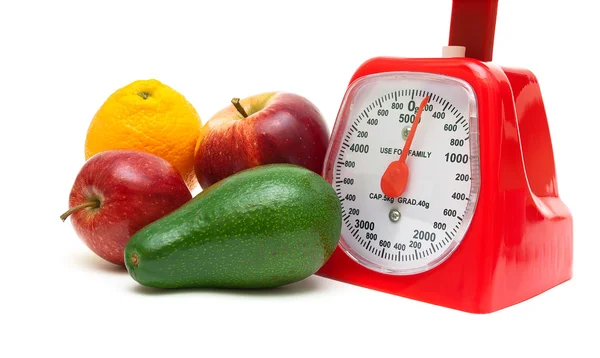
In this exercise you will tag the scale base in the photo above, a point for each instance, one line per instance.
(520, 241)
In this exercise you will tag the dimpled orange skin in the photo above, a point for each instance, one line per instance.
(149, 116)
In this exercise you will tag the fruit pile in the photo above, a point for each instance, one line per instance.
(265, 217)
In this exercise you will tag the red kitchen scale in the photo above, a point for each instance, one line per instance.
(445, 172)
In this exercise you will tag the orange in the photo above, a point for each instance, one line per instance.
(149, 116)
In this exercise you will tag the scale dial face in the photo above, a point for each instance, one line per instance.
(419, 229)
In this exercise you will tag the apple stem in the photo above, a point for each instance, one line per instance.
(238, 106)
(90, 204)
(144, 95)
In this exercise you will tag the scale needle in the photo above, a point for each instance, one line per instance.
(393, 181)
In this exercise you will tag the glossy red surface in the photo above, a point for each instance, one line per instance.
(520, 241)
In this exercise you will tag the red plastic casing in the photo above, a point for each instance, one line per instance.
(520, 241)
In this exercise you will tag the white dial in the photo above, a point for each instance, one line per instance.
(419, 229)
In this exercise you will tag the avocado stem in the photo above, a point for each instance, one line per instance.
(236, 103)
(90, 204)
(144, 95)
(134, 259)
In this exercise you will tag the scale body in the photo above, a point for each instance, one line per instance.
(507, 236)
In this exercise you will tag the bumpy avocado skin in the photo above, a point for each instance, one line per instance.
(263, 227)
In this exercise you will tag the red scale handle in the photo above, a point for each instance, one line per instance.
(472, 25)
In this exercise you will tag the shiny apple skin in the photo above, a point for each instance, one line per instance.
(280, 128)
(134, 188)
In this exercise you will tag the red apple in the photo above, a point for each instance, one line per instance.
(116, 193)
(274, 127)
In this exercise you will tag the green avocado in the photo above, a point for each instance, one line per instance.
(263, 227)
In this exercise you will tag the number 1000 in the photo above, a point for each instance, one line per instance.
(457, 158)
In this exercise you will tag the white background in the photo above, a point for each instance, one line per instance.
(58, 63)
